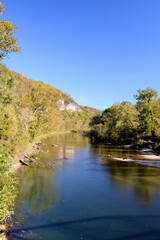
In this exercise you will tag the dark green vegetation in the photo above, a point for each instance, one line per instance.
(128, 123)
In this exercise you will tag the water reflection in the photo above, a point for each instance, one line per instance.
(64, 149)
(142, 179)
(116, 151)
(88, 195)
(38, 189)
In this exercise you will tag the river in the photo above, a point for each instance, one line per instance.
(86, 195)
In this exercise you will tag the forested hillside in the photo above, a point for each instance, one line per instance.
(30, 109)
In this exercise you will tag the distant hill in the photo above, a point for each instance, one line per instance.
(93, 111)
(32, 108)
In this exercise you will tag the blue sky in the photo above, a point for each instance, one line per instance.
(98, 51)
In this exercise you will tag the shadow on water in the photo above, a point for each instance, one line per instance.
(125, 220)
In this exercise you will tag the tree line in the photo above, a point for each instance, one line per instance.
(130, 123)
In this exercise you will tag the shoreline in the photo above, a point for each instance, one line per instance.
(30, 150)
(149, 158)
(150, 154)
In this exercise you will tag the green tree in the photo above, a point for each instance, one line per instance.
(148, 105)
(117, 124)
(122, 122)
(145, 95)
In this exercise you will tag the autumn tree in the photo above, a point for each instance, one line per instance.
(8, 43)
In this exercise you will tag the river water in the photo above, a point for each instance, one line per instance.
(86, 195)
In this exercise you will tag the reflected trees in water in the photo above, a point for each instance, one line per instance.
(39, 188)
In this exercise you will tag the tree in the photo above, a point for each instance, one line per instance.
(6, 83)
(147, 105)
(145, 95)
(117, 124)
(122, 122)
(1, 8)
(8, 43)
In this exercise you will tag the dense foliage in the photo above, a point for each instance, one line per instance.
(30, 109)
(7, 181)
(126, 123)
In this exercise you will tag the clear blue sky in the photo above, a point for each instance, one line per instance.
(98, 51)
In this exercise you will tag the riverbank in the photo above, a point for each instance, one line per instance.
(31, 150)
(27, 152)
(147, 157)
(47, 198)
(150, 154)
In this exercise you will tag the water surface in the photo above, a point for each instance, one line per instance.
(87, 195)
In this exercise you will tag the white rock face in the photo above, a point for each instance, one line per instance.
(71, 106)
